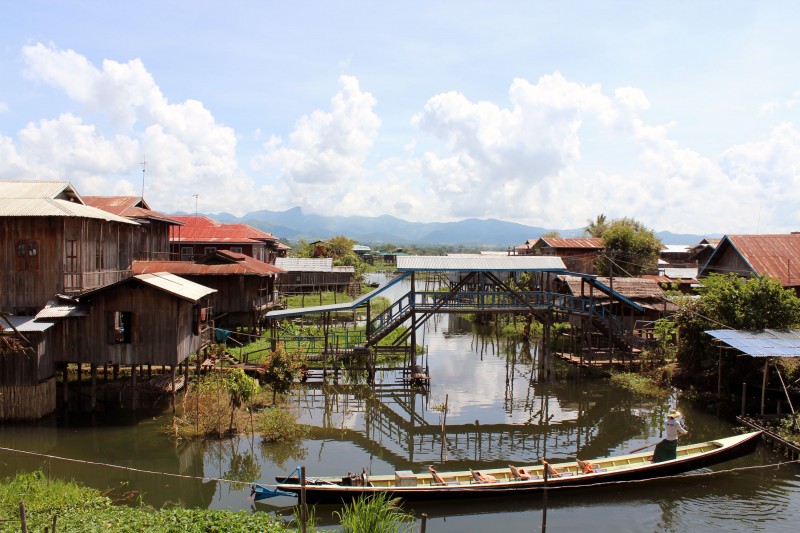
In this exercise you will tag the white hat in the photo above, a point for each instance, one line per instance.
(674, 413)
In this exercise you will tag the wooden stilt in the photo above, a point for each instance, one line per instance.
(764, 386)
(173, 389)
(93, 401)
(80, 385)
(65, 385)
(133, 383)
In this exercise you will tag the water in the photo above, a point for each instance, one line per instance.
(499, 413)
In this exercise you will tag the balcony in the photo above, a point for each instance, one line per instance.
(84, 281)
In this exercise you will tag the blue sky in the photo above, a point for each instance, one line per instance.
(682, 114)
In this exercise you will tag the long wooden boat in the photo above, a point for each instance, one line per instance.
(461, 485)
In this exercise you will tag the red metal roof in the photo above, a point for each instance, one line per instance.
(208, 230)
(221, 262)
(776, 256)
(128, 207)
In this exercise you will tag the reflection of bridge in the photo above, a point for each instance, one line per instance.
(395, 423)
(483, 285)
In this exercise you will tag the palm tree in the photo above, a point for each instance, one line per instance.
(596, 227)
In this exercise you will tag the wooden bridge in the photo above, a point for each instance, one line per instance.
(482, 285)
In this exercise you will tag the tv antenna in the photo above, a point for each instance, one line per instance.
(144, 166)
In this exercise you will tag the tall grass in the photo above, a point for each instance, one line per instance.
(378, 514)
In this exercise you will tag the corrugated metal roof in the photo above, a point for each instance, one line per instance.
(246, 266)
(302, 264)
(676, 248)
(24, 324)
(207, 230)
(62, 309)
(47, 207)
(680, 273)
(176, 285)
(775, 256)
(767, 343)
(591, 243)
(347, 306)
(30, 189)
(481, 263)
(129, 207)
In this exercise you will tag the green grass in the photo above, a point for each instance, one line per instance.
(85, 509)
(640, 385)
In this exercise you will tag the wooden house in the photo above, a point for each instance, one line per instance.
(53, 243)
(775, 256)
(245, 287)
(155, 319)
(313, 275)
(152, 240)
(201, 235)
(579, 254)
(27, 385)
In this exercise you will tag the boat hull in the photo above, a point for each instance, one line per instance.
(325, 490)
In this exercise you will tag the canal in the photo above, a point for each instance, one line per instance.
(499, 412)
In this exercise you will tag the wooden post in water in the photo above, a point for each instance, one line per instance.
(303, 508)
(544, 501)
(719, 374)
(133, 384)
(173, 389)
(93, 392)
(424, 523)
(65, 385)
(80, 385)
(744, 396)
(764, 386)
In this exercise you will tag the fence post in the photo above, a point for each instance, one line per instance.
(22, 518)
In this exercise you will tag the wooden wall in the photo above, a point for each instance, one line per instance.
(27, 402)
(162, 332)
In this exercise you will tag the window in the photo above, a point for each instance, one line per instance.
(27, 255)
(98, 255)
(210, 250)
(186, 253)
(121, 327)
(236, 249)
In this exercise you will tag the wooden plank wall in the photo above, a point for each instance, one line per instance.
(27, 402)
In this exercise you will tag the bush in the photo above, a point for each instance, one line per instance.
(377, 514)
(277, 424)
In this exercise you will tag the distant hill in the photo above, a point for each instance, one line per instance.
(293, 225)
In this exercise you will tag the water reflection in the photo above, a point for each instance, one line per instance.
(506, 404)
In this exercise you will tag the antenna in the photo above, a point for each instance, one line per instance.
(144, 165)
(195, 205)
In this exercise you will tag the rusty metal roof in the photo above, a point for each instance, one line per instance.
(589, 243)
(48, 207)
(480, 263)
(774, 256)
(203, 229)
(129, 207)
(242, 265)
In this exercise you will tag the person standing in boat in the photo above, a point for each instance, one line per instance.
(667, 449)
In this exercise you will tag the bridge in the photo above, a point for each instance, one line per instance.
(482, 285)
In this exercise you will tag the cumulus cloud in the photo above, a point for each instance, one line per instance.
(187, 150)
(323, 157)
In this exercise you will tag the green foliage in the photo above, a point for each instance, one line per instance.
(339, 247)
(729, 301)
(640, 385)
(277, 424)
(378, 514)
(550, 234)
(630, 249)
(302, 249)
(280, 370)
(596, 227)
(241, 389)
(85, 509)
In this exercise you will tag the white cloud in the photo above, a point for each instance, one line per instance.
(187, 151)
(325, 153)
(3, 107)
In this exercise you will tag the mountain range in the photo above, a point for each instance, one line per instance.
(293, 224)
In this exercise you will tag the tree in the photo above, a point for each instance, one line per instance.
(280, 370)
(729, 301)
(630, 248)
(339, 246)
(242, 389)
(303, 249)
(596, 227)
(550, 234)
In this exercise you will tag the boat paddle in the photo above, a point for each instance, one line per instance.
(642, 448)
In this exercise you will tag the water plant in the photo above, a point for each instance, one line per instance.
(378, 514)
